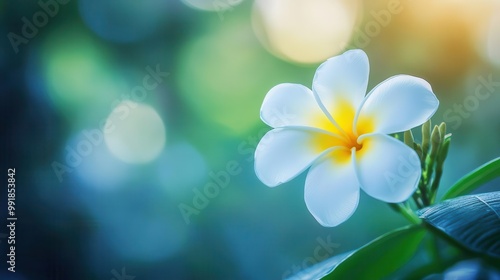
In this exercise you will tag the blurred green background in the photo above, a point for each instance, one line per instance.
(132, 126)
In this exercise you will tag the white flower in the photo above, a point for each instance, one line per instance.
(342, 135)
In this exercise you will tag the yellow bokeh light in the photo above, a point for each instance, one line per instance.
(224, 75)
(307, 31)
(493, 40)
(134, 133)
(435, 40)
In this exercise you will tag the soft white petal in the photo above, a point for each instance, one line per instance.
(341, 79)
(332, 190)
(387, 169)
(284, 153)
(292, 105)
(399, 103)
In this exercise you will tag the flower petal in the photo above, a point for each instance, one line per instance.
(292, 105)
(332, 190)
(399, 103)
(284, 153)
(387, 169)
(342, 79)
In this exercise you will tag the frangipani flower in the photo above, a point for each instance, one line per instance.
(341, 134)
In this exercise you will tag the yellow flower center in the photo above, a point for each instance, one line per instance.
(347, 136)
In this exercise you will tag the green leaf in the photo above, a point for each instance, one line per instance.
(473, 221)
(474, 179)
(381, 256)
(320, 269)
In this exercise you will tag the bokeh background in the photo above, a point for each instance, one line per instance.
(108, 159)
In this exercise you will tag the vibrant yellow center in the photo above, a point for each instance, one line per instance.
(347, 134)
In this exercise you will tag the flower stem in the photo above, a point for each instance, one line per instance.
(435, 185)
(439, 166)
(417, 200)
(423, 193)
(407, 213)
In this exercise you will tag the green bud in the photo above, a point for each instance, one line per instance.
(435, 141)
(418, 149)
(408, 138)
(443, 153)
(426, 136)
(442, 131)
(436, 136)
